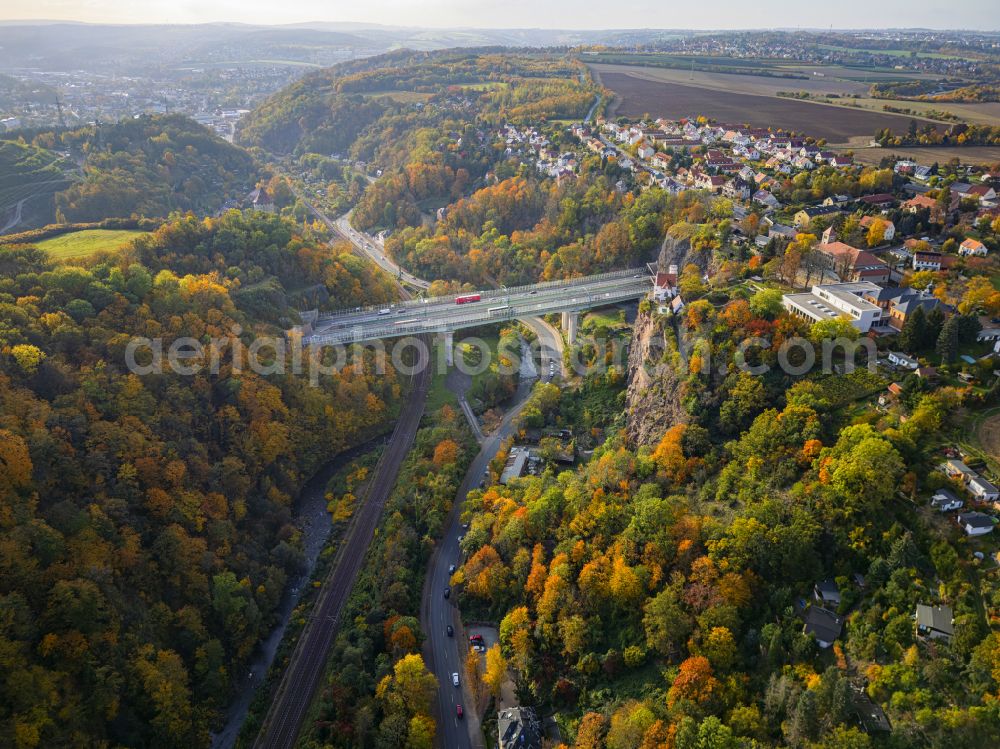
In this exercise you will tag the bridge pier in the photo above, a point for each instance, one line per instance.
(449, 348)
(570, 321)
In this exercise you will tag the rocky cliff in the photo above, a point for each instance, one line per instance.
(653, 400)
(654, 387)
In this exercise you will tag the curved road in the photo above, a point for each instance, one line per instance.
(445, 655)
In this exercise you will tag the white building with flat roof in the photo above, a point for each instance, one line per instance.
(830, 301)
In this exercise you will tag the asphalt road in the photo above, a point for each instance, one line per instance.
(436, 315)
(445, 655)
(371, 247)
(294, 694)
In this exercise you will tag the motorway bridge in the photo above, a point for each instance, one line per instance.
(444, 315)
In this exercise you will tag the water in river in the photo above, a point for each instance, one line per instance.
(311, 516)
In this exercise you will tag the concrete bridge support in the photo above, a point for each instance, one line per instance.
(449, 348)
(570, 321)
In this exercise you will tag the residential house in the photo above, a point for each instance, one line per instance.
(665, 284)
(890, 229)
(878, 200)
(983, 490)
(736, 189)
(920, 202)
(826, 591)
(975, 523)
(892, 392)
(645, 151)
(780, 230)
(824, 625)
(713, 182)
(261, 200)
(519, 728)
(852, 264)
(766, 199)
(840, 160)
(956, 469)
(935, 622)
(899, 303)
(984, 193)
(972, 247)
(804, 216)
(945, 500)
(900, 359)
(839, 200)
(870, 715)
(927, 260)
(661, 160)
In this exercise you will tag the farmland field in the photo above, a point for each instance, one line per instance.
(834, 79)
(927, 156)
(83, 243)
(762, 85)
(638, 96)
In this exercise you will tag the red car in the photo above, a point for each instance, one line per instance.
(458, 711)
(475, 638)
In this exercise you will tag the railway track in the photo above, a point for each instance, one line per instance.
(302, 675)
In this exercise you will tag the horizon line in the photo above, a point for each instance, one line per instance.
(376, 24)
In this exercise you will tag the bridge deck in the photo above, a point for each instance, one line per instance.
(444, 315)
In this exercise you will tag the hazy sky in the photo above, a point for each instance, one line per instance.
(591, 14)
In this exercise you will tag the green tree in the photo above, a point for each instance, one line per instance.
(947, 341)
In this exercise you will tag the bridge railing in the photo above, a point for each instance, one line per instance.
(369, 332)
(489, 293)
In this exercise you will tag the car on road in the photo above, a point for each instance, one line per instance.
(533, 292)
(454, 679)
(451, 569)
(450, 631)
(447, 592)
(458, 711)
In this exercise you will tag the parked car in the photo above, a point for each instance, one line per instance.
(451, 569)
(450, 631)
(454, 679)
(447, 592)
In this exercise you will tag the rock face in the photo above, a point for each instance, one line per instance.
(654, 387)
(678, 252)
(653, 400)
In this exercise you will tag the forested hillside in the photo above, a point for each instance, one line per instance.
(329, 110)
(144, 520)
(655, 596)
(29, 179)
(148, 166)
